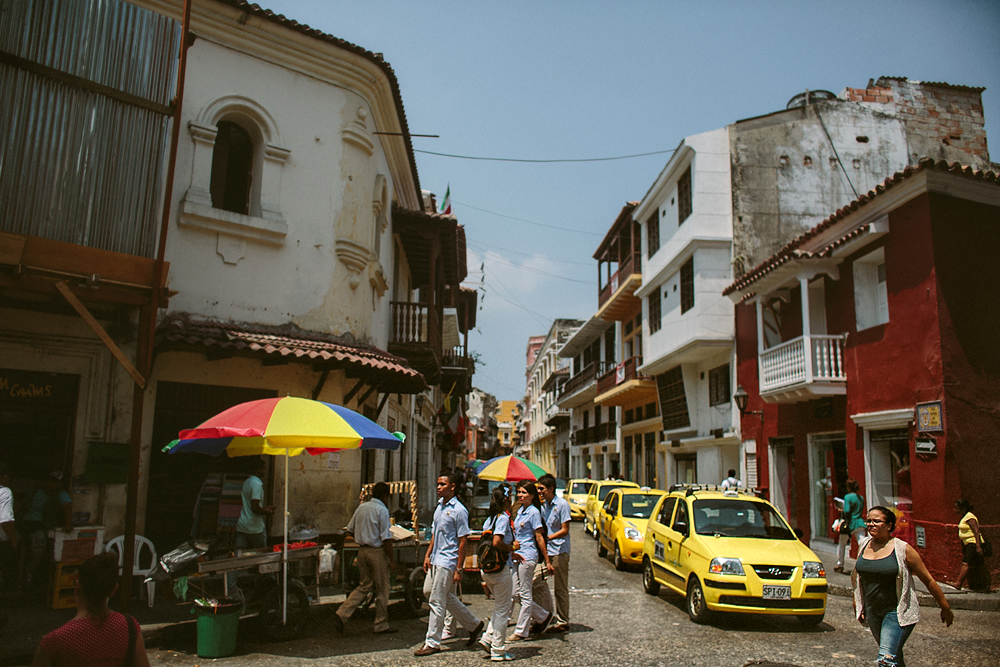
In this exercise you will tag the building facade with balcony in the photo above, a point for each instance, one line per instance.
(622, 389)
(867, 347)
(546, 424)
(687, 325)
(593, 438)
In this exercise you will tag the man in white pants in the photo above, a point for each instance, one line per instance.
(444, 561)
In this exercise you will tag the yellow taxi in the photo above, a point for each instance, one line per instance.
(596, 494)
(576, 495)
(622, 524)
(731, 552)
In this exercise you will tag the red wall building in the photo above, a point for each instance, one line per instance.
(893, 378)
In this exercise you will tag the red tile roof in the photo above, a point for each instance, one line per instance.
(376, 58)
(181, 332)
(790, 251)
(938, 84)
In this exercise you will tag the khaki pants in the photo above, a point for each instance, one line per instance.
(561, 585)
(374, 569)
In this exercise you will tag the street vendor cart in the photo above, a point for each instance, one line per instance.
(407, 581)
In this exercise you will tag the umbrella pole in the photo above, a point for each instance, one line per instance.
(284, 558)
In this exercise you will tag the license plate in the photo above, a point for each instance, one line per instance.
(777, 592)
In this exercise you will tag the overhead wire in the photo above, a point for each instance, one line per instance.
(551, 161)
(530, 222)
(526, 254)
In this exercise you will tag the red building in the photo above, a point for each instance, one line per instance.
(869, 347)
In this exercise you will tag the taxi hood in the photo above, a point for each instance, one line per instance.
(754, 550)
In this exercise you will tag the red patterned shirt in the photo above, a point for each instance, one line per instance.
(88, 642)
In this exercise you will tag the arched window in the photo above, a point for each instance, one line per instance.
(232, 168)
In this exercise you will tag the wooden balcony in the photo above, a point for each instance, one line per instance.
(582, 387)
(457, 370)
(803, 368)
(616, 300)
(416, 336)
(625, 385)
(597, 433)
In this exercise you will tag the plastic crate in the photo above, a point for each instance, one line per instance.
(64, 575)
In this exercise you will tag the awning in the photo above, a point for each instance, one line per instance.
(288, 344)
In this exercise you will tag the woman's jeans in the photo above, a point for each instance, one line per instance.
(845, 540)
(890, 637)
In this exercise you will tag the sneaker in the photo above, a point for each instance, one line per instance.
(426, 650)
(557, 628)
(537, 628)
(502, 658)
(514, 637)
(486, 647)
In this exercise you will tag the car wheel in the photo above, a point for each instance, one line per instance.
(619, 563)
(697, 608)
(601, 551)
(812, 620)
(649, 582)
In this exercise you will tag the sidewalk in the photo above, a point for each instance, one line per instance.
(840, 584)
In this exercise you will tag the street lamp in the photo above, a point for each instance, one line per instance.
(741, 397)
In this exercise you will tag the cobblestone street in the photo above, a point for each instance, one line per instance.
(615, 623)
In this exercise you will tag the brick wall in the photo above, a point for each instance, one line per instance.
(951, 115)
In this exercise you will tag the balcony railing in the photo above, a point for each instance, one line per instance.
(631, 264)
(788, 364)
(584, 378)
(596, 433)
(413, 322)
(455, 358)
(623, 372)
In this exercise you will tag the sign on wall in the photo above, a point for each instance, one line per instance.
(930, 417)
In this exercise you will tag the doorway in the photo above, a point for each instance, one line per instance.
(38, 422)
(827, 482)
(175, 480)
(782, 473)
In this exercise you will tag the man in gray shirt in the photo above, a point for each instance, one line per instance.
(370, 528)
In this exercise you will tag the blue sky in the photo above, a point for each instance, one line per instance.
(558, 80)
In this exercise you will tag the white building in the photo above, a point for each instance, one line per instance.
(687, 324)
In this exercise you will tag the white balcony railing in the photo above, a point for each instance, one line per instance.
(786, 364)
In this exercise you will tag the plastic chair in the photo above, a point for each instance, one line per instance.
(141, 542)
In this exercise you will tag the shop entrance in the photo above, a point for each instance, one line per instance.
(828, 481)
(889, 462)
(175, 480)
(781, 454)
(38, 421)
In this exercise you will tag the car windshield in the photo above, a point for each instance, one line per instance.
(579, 488)
(608, 488)
(638, 506)
(739, 518)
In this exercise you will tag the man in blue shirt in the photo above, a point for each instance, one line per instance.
(555, 513)
(251, 531)
(445, 562)
(370, 528)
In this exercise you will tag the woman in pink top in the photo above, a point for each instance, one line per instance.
(97, 636)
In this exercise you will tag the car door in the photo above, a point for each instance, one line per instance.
(591, 509)
(680, 529)
(608, 517)
(660, 529)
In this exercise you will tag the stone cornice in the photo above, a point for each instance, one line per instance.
(279, 45)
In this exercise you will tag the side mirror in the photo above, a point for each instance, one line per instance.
(681, 527)
(799, 534)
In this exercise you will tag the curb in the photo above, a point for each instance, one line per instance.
(966, 602)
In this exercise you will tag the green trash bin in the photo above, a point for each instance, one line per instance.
(217, 627)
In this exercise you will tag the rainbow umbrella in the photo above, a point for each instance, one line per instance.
(288, 426)
(510, 468)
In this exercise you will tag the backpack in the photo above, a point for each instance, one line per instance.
(491, 560)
